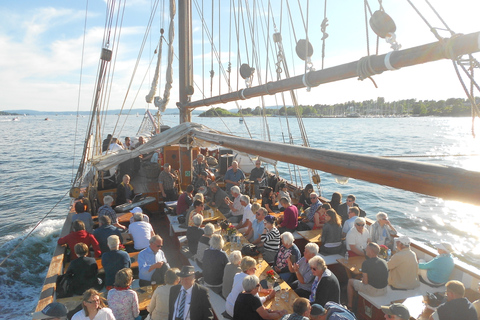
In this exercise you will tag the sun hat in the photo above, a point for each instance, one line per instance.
(187, 271)
(52, 310)
(397, 309)
(136, 210)
(270, 219)
(404, 240)
(445, 246)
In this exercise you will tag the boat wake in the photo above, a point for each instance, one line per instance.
(22, 275)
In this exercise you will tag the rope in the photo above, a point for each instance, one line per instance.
(323, 28)
(31, 231)
(365, 70)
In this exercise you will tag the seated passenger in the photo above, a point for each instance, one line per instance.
(84, 216)
(152, 263)
(138, 210)
(104, 231)
(268, 199)
(214, 262)
(114, 260)
(115, 145)
(52, 311)
(93, 307)
(320, 216)
(258, 225)
(185, 200)
(248, 266)
(140, 231)
(357, 238)
(325, 286)
(202, 181)
(302, 280)
(158, 307)
(382, 231)
(194, 234)
(396, 311)
(83, 271)
(270, 239)
(288, 251)
(301, 310)
(197, 208)
(343, 208)
(457, 306)
(336, 201)
(204, 242)
(283, 193)
(249, 306)
(218, 198)
(332, 311)
(331, 238)
(353, 214)
(290, 217)
(121, 299)
(107, 210)
(234, 177)
(125, 192)
(236, 209)
(310, 212)
(77, 235)
(437, 271)
(304, 202)
(231, 269)
(403, 267)
(374, 276)
(245, 226)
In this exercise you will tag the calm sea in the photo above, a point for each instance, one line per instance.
(37, 164)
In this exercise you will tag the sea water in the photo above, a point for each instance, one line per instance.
(38, 160)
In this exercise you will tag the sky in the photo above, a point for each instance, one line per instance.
(41, 44)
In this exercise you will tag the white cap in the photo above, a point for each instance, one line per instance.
(403, 240)
(136, 210)
(445, 246)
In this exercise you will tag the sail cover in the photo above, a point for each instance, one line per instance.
(176, 135)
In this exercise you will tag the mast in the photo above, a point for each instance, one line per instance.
(185, 53)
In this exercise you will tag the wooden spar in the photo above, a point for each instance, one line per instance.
(185, 56)
(434, 180)
(455, 46)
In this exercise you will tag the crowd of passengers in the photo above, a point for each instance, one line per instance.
(181, 296)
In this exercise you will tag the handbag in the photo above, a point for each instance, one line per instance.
(249, 249)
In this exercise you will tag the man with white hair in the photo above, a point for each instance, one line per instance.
(236, 208)
(403, 267)
(303, 274)
(152, 263)
(357, 238)
(234, 177)
(107, 210)
(114, 260)
(140, 231)
(246, 225)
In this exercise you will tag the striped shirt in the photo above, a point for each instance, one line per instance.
(271, 240)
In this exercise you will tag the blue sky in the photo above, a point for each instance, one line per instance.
(41, 44)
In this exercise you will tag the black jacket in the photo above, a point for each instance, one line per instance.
(200, 308)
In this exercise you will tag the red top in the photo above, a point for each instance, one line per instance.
(290, 218)
(73, 238)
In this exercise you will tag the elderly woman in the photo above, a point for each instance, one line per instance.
(158, 307)
(204, 242)
(121, 299)
(325, 286)
(249, 307)
(268, 199)
(194, 234)
(332, 234)
(93, 307)
(304, 202)
(270, 239)
(248, 266)
(82, 270)
(214, 262)
(288, 251)
(231, 269)
(303, 274)
(382, 231)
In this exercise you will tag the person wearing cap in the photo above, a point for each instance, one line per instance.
(374, 276)
(152, 263)
(140, 231)
(357, 238)
(396, 311)
(437, 271)
(332, 311)
(125, 192)
(301, 310)
(457, 306)
(403, 267)
(218, 198)
(138, 210)
(189, 300)
(107, 210)
(53, 311)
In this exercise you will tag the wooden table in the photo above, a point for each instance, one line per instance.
(353, 265)
(311, 235)
(212, 215)
(124, 217)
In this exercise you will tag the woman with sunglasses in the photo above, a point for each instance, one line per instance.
(93, 307)
(325, 286)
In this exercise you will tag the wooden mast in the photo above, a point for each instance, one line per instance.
(435, 180)
(447, 49)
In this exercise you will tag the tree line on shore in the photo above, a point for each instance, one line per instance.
(453, 107)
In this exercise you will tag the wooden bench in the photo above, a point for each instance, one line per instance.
(217, 303)
(331, 259)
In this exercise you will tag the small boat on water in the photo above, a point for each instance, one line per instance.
(16, 119)
(179, 145)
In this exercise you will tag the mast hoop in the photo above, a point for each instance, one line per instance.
(241, 95)
(387, 63)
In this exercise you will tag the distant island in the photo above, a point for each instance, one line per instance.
(4, 113)
(453, 107)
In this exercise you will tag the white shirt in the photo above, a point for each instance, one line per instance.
(102, 314)
(237, 288)
(248, 214)
(358, 239)
(188, 299)
(141, 232)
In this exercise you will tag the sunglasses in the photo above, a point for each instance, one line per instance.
(360, 224)
(313, 197)
(314, 269)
